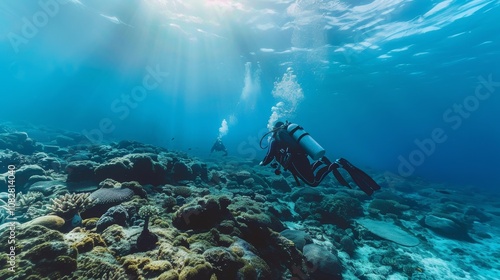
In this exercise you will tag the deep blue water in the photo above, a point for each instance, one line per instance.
(377, 82)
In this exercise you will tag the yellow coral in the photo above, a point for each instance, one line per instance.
(49, 221)
(88, 243)
(169, 275)
(200, 271)
(156, 268)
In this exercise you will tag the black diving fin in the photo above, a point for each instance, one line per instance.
(363, 180)
(339, 178)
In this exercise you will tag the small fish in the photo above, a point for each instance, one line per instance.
(444, 191)
(189, 149)
(172, 139)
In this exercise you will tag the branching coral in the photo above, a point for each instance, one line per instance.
(147, 212)
(147, 240)
(24, 201)
(68, 205)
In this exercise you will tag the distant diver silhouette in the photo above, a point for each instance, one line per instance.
(219, 146)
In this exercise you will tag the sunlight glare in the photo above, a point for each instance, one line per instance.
(224, 4)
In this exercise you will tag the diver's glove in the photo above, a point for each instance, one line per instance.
(363, 180)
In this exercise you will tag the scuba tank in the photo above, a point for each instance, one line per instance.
(313, 149)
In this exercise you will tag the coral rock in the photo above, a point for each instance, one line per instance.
(155, 268)
(18, 142)
(200, 271)
(134, 167)
(254, 266)
(181, 172)
(89, 242)
(23, 175)
(388, 207)
(202, 214)
(48, 221)
(200, 169)
(81, 171)
(53, 259)
(322, 264)
(99, 264)
(224, 262)
(146, 241)
(299, 238)
(340, 210)
(116, 239)
(279, 183)
(114, 215)
(447, 227)
(307, 194)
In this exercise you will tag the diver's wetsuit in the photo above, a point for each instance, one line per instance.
(289, 154)
(219, 146)
(297, 163)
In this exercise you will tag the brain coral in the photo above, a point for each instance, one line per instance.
(112, 195)
(106, 198)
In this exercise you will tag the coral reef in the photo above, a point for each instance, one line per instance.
(40, 251)
(149, 213)
(19, 142)
(133, 167)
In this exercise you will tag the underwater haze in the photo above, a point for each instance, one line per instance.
(370, 80)
(112, 112)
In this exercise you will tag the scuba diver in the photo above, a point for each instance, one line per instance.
(219, 146)
(289, 147)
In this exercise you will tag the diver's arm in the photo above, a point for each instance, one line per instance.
(270, 153)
